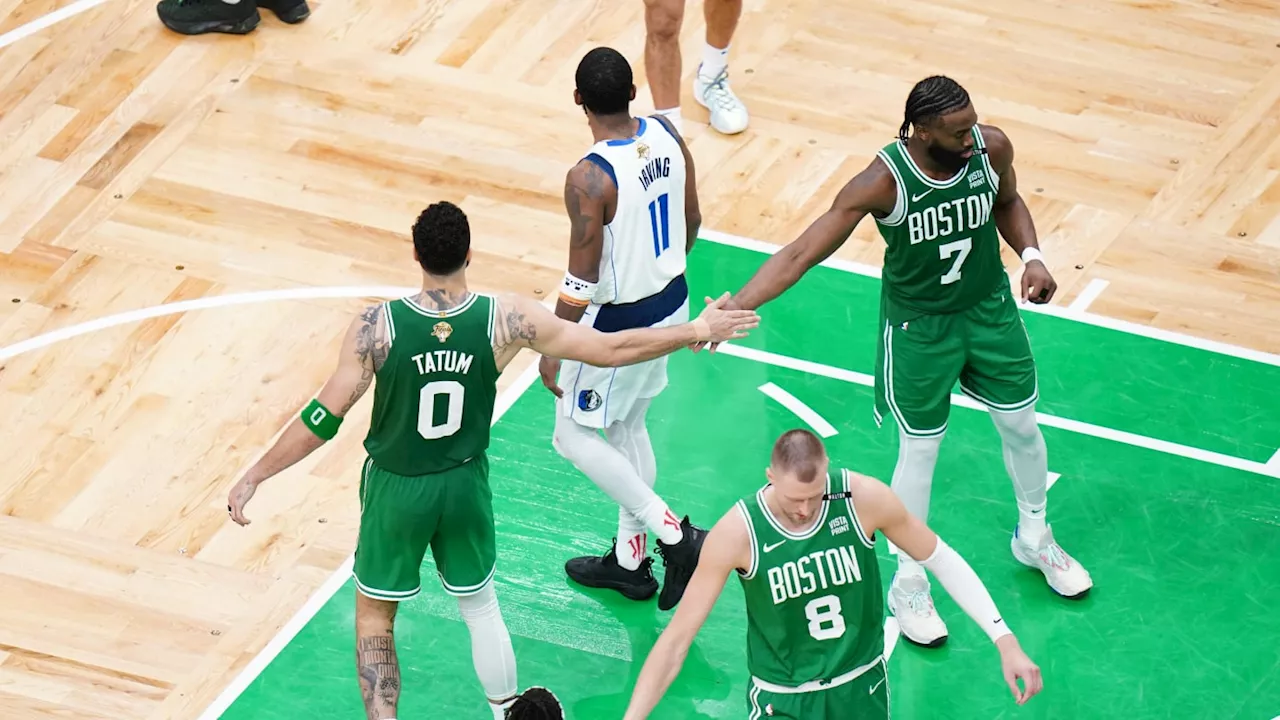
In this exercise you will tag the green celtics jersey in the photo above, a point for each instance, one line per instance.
(942, 251)
(815, 605)
(434, 395)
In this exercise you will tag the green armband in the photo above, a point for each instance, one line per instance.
(321, 422)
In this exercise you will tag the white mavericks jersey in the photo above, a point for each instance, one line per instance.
(644, 246)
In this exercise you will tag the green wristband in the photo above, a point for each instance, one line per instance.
(321, 422)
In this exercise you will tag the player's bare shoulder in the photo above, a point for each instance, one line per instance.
(372, 341)
(999, 147)
(873, 190)
(873, 500)
(513, 326)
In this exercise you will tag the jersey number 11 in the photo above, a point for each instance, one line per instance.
(659, 218)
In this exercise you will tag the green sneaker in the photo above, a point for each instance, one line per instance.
(197, 17)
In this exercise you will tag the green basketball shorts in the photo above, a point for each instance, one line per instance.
(985, 348)
(400, 517)
(866, 697)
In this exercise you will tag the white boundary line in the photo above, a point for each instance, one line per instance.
(57, 16)
(1082, 428)
(1058, 311)
(802, 411)
(1088, 295)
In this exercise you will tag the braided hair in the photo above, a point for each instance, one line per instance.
(932, 98)
(536, 703)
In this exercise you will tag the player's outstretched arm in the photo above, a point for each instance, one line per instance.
(363, 351)
(881, 510)
(525, 323)
(726, 548)
(1013, 219)
(872, 190)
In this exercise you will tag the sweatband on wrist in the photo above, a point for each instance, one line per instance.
(1031, 253)
(576, 291)
(320, 421)
(963, 585)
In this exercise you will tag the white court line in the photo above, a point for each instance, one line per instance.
(1053, 478)
(1054, 310)
(964, 401)
(1274, 462)
(35, 26)
(1088, 295)
(802, 411)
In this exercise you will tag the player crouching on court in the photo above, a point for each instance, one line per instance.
(803, 547)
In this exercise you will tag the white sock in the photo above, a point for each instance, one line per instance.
(913, 482)
(714, 60)
(673, 114)
(611, 472)
(491, 652)
(631, 438)
(1027, 461)
(500, 709)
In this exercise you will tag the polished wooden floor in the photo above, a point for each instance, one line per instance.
(139, 167)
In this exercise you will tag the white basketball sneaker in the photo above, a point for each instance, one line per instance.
(728, 114)
(1065, 576)
(911, 604)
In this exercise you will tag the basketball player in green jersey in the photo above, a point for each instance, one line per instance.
(436, 357)
(803, 547)
(941, 198)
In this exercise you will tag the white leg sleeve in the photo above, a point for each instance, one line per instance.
(913, 480)
(630, 437)
(491, 651)
(1027, 462)
(610, 470)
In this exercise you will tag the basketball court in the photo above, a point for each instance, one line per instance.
(188, 224)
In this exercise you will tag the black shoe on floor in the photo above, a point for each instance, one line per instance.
(197, 17)
(604, 572)
(289, 11)
(680, 560)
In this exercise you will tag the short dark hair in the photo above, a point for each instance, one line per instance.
(604, 81)
(931, 98)
(536, 703)
(799, 452)
(442, 237)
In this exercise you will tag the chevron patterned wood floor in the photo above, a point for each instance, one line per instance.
(139, 167)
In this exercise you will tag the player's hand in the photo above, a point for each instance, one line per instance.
(727, 323)
(549, 368)
(1038, 285)
(238, 498)
(726, 303)
(1017, 666)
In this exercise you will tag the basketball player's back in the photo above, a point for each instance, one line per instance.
(645, 242)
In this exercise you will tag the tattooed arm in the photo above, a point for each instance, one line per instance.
(524, 323)
(590, 199)
(364, 349)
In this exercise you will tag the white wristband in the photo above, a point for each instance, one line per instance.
(1031, 253)
(576, 291)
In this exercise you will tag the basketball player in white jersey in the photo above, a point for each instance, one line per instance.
(633, 209)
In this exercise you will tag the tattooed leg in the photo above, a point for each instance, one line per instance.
(376, 662)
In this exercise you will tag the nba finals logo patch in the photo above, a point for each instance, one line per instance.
(642, 151)
(839, 526)
(442, 330)
(589, 400)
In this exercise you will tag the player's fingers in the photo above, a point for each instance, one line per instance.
(1012, 679)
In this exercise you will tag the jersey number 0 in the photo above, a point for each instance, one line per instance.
(427, 426)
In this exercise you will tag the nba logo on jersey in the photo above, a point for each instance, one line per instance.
(588, 400)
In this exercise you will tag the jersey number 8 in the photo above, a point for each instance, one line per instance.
(825, 620)
(427, 426)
